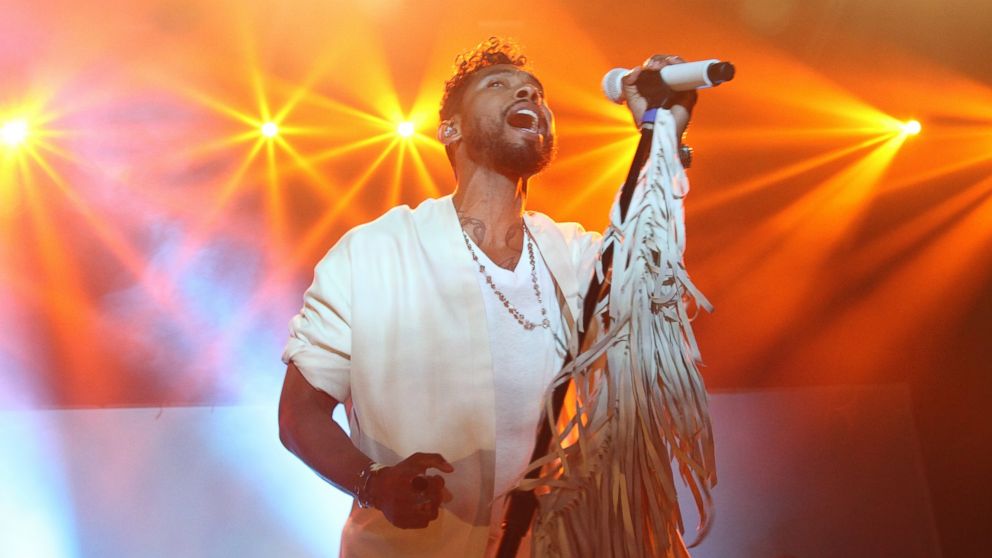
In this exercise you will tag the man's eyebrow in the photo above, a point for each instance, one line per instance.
(511, 72)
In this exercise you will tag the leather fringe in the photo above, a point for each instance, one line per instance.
(639, 413)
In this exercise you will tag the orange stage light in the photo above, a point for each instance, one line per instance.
(270, 129)
(14, 133)
(405, 129)
(912, 127)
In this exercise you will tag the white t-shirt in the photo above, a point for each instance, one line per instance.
(524, 361)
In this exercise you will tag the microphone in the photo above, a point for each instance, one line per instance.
(675, 77)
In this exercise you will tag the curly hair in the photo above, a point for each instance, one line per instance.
(490, 52)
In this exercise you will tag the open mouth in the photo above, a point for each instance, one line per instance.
(525, 119)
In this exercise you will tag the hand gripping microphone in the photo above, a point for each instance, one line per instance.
(675, 77)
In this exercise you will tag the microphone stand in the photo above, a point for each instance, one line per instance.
(523, 503)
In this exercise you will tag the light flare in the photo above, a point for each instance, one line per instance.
(911, 127)
(405, 129)
(14, 133)
(270, 130)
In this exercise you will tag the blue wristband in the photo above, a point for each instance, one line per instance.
(649, 116)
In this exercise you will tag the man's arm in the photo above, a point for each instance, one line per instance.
(308, 431)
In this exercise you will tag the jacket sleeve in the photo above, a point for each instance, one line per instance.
(320, 334)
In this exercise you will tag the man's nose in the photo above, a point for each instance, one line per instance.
(528, 91)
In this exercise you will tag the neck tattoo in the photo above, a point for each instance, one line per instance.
(517, 314)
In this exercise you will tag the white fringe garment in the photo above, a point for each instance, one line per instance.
(637, 402)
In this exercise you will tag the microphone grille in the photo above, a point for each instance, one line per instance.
(612, 87)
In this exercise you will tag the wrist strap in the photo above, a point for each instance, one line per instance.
(649, 116)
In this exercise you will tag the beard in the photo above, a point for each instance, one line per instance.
(486, 143)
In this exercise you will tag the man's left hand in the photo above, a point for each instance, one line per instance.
(682, 101)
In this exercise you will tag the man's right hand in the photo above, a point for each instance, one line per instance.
(406, 496)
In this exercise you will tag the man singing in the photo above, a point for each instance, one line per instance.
(441, 327)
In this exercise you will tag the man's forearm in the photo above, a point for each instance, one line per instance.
(308, 431)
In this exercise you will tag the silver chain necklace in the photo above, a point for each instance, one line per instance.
(517, 314)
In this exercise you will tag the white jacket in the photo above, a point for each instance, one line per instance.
(394, 325)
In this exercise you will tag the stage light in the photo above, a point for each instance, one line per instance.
(911, 127)
(270, 129)
(14, 133)
(405, 129)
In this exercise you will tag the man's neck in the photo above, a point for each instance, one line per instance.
(490, 207)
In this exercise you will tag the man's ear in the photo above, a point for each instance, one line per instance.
(448, 132)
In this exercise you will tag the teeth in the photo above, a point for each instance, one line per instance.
(524, 118)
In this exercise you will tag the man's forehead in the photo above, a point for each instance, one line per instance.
(508, 69)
